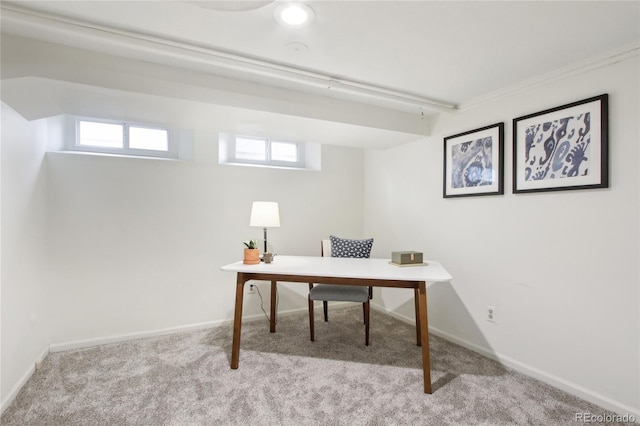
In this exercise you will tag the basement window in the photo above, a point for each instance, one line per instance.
(119, 137)
(266, 152)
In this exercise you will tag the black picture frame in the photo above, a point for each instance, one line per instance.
(562, 148)
(473, 162)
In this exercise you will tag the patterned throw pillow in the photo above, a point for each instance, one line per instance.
(341, 247)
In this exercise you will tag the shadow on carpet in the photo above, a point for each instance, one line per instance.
(284, 379)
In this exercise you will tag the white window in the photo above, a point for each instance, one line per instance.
(251, 150)
(102, 135)
(116, 137)
(266, 152)
(284, 151)
(148, 138)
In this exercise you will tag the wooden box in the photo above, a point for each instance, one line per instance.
(406, 257)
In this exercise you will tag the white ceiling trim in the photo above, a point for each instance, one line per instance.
(596, 62)
(42, 23)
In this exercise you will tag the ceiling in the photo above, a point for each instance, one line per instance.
(412, 58)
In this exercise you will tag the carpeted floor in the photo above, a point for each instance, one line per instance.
(284, 379)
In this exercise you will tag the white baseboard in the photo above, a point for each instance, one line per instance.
(562, 384)
(23, 380)
(88, 343)
(572, 388)
(81, 344)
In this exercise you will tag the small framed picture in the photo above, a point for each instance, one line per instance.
(562, 148)
(473, 162)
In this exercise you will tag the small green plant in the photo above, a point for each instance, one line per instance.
(251, 244)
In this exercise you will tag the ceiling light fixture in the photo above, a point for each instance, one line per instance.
(294, 15)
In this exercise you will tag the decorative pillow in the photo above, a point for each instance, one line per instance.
(341, 247)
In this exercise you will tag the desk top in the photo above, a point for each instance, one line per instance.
(315, 266)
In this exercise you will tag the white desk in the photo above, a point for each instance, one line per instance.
(341, 271)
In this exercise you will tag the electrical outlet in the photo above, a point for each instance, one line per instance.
(491, 313)
(252, 289)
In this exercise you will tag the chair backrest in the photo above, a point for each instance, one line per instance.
(325, 251)
(325, 248)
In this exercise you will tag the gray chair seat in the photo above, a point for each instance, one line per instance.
(341, 293)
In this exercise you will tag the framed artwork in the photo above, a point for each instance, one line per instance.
(473, 162)
(562, 148)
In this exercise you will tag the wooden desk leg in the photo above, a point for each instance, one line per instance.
(274, 295)
(237, 321)
(416, 298)
(424, 338)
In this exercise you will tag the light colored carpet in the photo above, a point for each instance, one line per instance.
(284, 379)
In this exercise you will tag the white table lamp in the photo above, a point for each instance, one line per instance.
(265, 214)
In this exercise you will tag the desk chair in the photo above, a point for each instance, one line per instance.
(340, 247)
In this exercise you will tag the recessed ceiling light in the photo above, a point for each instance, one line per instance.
(294, 15)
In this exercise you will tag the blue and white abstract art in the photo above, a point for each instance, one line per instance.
(472, 163)
(558, 149)
(562, 148)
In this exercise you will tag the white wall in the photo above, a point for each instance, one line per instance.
(24, 335)
(100, 248)
(136, 245)
(561, 267)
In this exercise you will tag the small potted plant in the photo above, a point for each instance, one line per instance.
(251, 253)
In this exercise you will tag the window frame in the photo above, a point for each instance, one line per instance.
(298, 164)
(172, 139)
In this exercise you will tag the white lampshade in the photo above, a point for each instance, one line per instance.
(265, 214)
